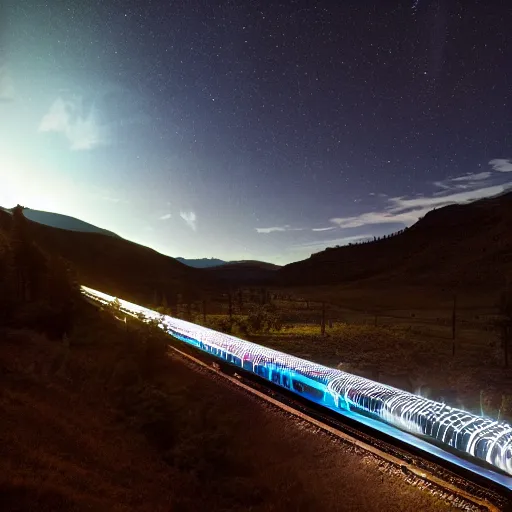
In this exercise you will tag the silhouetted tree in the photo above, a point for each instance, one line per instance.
(28, 259)
(7, 280)
(264, 317)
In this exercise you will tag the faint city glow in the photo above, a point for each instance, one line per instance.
(480, 437)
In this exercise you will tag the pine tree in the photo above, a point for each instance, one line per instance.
(28, 259)
(61, 294)
(7, 280)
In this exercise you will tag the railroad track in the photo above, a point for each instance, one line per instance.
(433, 475)
(301, 388)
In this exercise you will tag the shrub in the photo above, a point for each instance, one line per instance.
(219, 323)
(264, 318)
(242, 325)
(506, 408)
(41, 316)
(125, 373)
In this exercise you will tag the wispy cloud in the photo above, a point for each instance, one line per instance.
(464, 182)
(190, 218)
(324, 229)
(111, 199)
(82, 127)
(104, 194)
(275, 229)
(406, 211)
(460, 189)
(479, 176)
(167, 216)
(501, 164)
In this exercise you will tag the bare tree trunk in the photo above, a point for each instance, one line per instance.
(240, 301)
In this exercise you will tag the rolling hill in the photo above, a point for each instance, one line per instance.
(56, 220)
(466, 245)
(246, 273)
(116, 265)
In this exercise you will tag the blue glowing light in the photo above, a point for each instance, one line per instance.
(405, 416)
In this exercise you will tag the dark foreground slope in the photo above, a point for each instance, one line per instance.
(115, 265)
(456, 246)
(100, 424)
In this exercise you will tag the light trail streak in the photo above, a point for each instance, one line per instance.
(418, 421)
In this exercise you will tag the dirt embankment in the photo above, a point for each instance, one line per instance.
(100, 425)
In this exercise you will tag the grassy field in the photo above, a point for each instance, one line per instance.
(403, 338)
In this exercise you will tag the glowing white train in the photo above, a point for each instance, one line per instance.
(461, 431)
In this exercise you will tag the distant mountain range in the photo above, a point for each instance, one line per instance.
(455, 247)
(56, 220)
(202, 262)
(116, 265)
(215, 262)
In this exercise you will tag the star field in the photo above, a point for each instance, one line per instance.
(253, 116)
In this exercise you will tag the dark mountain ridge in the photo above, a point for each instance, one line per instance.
(57, 220)
(246, 273)
(117, 266)
(456, 245)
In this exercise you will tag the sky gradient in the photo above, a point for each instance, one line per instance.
(253, 130)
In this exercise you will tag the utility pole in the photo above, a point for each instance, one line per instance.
(454, 322)
(323, 319)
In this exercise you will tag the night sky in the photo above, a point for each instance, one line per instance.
(253, 130)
